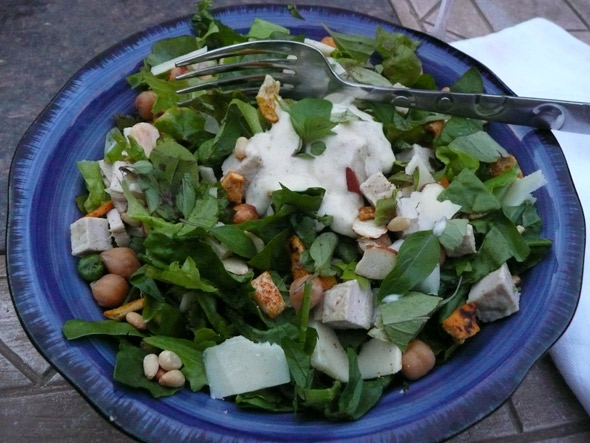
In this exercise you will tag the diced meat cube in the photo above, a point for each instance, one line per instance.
(377, 187)
(239, 365)
(378, 358)
(494, 295)
(467, 246)
(329, 356)
(267, 295)
(90, 234)
(348, 305)
(233, 183)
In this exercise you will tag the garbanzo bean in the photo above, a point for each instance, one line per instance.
(109, 290)
(121, 261)
(418, 360)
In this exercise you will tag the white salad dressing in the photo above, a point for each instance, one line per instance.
(269, 162)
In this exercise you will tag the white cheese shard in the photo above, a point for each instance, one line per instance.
(145, 134)
(120, 175)
(521, 189)
(368, 228)
(378, 358)
(494, 295)
(235, 266)
(377, 187)
(348, 305)
(117, 228)
(90, 234)
(329, 356)
(376, 262)
(239, 365)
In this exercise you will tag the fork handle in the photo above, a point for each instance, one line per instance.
(539, 113)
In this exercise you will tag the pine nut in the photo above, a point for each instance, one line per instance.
(150, 366)
(160, 373)
(172, 379)
(169, 360)
(136, 320)
(398, 224)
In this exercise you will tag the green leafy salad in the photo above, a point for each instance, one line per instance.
(297, 255)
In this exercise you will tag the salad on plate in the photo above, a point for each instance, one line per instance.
(297, 255)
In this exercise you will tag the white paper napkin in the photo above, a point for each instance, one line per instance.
(537, 58)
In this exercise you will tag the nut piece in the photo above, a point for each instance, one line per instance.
(160, 373)
(267, 99)
(267, 295)
(169, 360)
(144, 103)
(398, 224)
(136, 320)
(109, 290)
(503, 164)
(233, 183)
(121, 312)
(366, 213)
(244, 212)
(418, 360)
(172, 379)
(435, 127)
(121, 261)
(240, 148)
(150, 366)
(462, 323)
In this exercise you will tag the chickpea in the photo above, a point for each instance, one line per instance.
(121, 261)
(175, 72)
(144, 103)
(109, 290)
(418, 360)
(244, 212)
(297, 288)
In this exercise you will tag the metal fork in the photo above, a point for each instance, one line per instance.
(304, 71)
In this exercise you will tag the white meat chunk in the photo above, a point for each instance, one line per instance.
(377, 187)
(494, 295)
(348, 305)
(90, 234)
(467, 246)
(328, 355)
(378, 358)
(239, 365)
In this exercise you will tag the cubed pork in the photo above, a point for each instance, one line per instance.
(90, 234)
(494, 295)
(348, 305)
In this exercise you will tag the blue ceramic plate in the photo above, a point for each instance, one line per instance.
(47, 291)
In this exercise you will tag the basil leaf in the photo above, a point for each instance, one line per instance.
(469, 82)
(236, 240)
(453, 234)
(169, 48)
(455, 161)
(359, 47)
(299, 362)
(262, 29)
(457, 127)
(479, 145)
(385, 210)
(416, 259)
(184, 124)
(322, 250)
(310, 118)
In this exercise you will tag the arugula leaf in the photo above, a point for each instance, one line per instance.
(468, 191)
(359, 47)
(266, 399)
(470, 81)
(308, 201)
(74, 328)
(187, 275)
(190, 355)
(310, 118)
(416, 259)
(299, 362)
(403, 319)
(96, 189)
(210, 31)
(184, 124)
(129, 371)
(263, 29)
(235, 239)
(292, 8)
(479, 145)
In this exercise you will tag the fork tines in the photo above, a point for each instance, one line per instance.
(278, 64)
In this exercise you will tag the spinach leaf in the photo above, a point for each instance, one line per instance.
(322, 251)
(299, 362)
(190, 355)
(235, 239)
(74, 328)
(400, 62)
(129, 371)
(416, 259)
(308, 201)
(468, 191)
(455, 161)
(274, 255)
(403, 319)
(184, 124)
(457, 127)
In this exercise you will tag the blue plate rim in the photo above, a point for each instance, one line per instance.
(12, 257)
